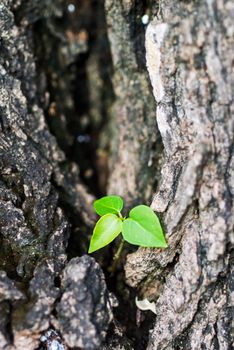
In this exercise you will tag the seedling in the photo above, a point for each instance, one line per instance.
(141, 228)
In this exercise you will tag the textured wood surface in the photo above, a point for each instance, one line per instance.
(189, 59)
(48, 301)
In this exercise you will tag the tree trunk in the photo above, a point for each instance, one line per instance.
(36, 296)
(188, 52)
(73, 102)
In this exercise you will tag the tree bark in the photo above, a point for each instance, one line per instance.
(188, 52)
(133, 159)
(36, 295)
(58, 79)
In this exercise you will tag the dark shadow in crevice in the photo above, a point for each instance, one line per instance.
(70, 112)
(66, 48)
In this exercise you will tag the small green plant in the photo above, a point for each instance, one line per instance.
(142, 227)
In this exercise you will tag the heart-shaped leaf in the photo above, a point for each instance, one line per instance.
(143, 228)
(108, 205)
(105, 231)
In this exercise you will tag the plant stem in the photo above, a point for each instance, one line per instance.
(120, 215)
(117, 256)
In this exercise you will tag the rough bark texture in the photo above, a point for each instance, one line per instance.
(84, 311)
(57, 83)
(133, 160)
(188, 51)
(34, 230)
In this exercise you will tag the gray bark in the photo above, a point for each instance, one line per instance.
(188, 50)
(47, 300)
(34, 229)
(133, 159)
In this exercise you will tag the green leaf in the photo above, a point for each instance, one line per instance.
(143, 228)
(106, 230)
(108, 204)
